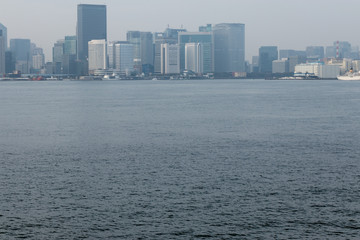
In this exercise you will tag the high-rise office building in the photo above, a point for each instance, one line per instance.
(147, 52)
(267, 54)
(229, 43)
(69, 64)
(9, 62)
(58, 54)
(97, 55)
(170, 58)
(133, 37)
(194, 57)
(143, 50)
(207, 41)
(170, 35)
(124, 57)
(70, 45)
(21, 49)
(38, 62)
(4, 35)
(2, 53)
(111, 54)
(91, 25)
(69, 56)
(38, 59)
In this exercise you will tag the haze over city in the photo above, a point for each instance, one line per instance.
(283, 23)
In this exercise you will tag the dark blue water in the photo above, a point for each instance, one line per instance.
(249, 159)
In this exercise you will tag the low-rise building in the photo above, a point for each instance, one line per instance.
(308, 68)
(329, 71)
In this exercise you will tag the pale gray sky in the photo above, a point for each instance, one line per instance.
(284, 23)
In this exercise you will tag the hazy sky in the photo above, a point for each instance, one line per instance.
(284, 23)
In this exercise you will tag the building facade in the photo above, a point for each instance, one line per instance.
(170, 58)
(91, 25)
(70, 45)
(207, 41)
(2, 53)
(97, 55)
(143, 50)
(111, 54)
(124, 57)
(4, 35)
(206, 28)
(295, 60)
(58, 54)
(170, 35)
(21, 50)
(308, 68)
(194, 57)
(229, 43)
(280, 66)
(267, 54)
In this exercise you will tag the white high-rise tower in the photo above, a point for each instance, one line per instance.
(97, 55)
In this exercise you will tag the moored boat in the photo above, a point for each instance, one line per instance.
(350, 76)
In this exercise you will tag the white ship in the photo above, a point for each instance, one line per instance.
(350, 76)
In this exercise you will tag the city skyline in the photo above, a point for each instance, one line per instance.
(288, 25)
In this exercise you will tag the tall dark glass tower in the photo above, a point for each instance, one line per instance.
(91, 25)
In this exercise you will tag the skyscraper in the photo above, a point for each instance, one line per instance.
(58, 53)
(111, 54)
(267, 54)
(9, 62)
(229, 43)
(143, 50)
(97, 55)
(170, 58)
(124, 57)
(194, 57)
(2, 53)
(22, 54)
(4, 35)
(206, 39)
(38, 59)
(70, 45)
(91, 25)
(69, 56)
(170, 35)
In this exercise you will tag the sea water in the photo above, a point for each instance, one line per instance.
(207, 159)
